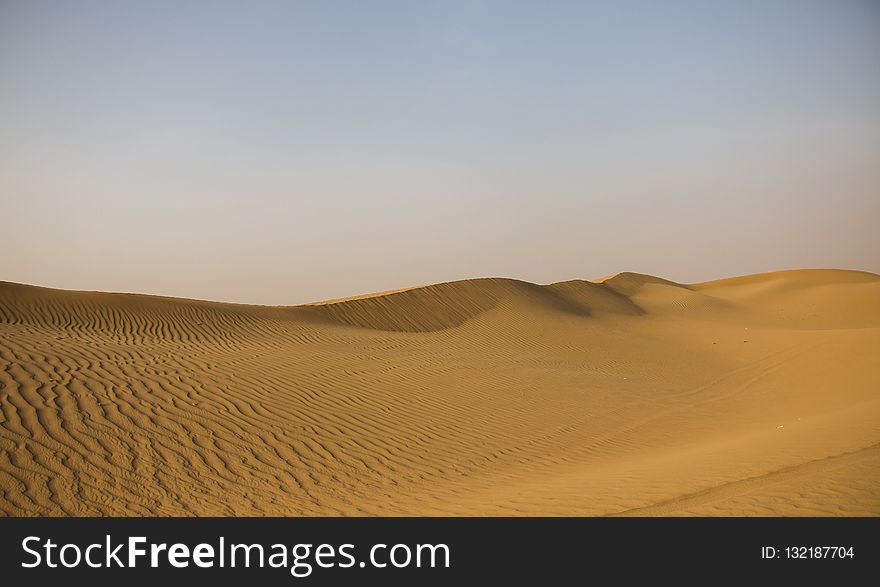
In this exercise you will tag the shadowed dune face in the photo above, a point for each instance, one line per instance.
(446, 305)
(633, 395)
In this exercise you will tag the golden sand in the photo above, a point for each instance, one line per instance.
(756, 395)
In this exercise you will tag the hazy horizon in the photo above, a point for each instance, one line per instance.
(283, 153)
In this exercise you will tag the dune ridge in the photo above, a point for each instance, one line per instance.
(629, 395)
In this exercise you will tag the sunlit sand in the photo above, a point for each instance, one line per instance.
(631, 395)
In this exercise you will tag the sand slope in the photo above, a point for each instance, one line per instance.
(632, 395)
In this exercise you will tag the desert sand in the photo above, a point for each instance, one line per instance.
(631, 395)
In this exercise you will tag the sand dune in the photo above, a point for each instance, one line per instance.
(631, 395)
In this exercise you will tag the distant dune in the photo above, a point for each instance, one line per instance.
(631, 395)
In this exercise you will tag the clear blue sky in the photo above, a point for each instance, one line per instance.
(283, 152)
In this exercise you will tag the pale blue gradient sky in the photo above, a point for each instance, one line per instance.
(283, 152)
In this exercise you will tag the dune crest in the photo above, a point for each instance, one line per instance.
(629, 395)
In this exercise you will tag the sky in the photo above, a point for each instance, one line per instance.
(288, 152)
